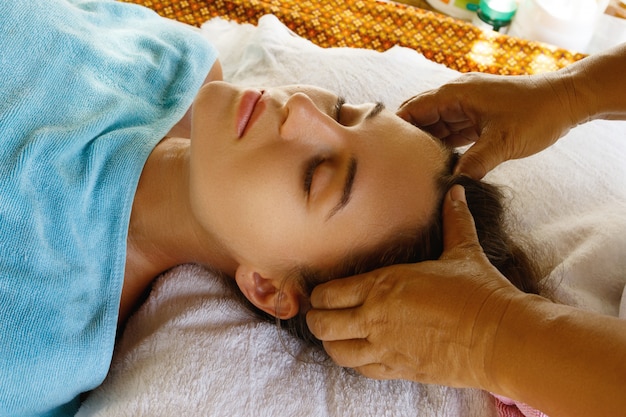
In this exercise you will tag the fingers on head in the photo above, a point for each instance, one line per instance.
(377, 371)
(351, 353)
(473, 164)
(459, 230)
(418, 112)
(334, 325)
(343, 292)
(490, 150)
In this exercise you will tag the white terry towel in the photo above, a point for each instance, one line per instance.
(193, 351)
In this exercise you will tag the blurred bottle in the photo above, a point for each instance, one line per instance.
(461, 9)
(495, 15)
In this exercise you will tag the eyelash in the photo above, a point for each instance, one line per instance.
(338, 106)
(310, 170)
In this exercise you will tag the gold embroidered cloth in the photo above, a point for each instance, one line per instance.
(380, 25)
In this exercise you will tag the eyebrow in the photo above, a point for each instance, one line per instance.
(347, 188)
(375, 110)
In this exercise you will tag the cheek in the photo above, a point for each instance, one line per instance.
(216, 193)
(253, 203)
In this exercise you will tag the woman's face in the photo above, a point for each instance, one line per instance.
(289, 176)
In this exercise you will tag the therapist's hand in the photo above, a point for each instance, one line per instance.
(431, 322)
(508, 117)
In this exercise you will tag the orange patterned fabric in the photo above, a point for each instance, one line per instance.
(380, 25)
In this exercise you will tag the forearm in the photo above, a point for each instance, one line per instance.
(561, 360)
(596, 86)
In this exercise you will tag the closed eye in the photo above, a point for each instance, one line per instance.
(309, 171)
(338, 105)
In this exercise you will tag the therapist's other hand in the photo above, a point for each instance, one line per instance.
(431, 322)
(508, 117)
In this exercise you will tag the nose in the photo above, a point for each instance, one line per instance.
(307, 123)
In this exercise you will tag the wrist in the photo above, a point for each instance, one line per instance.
(596, 85)
(540, 355)
(485, 327)
(582, 97)
(499, 335)
(571, 97)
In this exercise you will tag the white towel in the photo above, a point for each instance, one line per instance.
(191, 350)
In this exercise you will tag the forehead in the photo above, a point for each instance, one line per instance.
(404, 159)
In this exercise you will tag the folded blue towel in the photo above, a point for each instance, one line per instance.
(87, 89)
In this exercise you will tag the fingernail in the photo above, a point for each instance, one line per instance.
(457, 193)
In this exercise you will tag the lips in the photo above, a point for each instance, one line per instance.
(246, 114)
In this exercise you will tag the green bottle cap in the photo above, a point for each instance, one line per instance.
(500, 10)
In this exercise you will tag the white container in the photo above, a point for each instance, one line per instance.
(568, 24)
(455, 8)
(610, 31)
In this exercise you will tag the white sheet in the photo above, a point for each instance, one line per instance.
(191, 350)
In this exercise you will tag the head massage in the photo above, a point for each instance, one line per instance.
(269, 181)
(117, 171)
(311, 188)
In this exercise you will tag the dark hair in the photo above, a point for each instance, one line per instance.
(485, 202)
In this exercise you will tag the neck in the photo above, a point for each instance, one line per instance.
(163, 232)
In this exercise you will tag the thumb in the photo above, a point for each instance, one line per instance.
(459, 231)
(419, 110)
(483, 156)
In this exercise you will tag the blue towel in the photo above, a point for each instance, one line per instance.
(87, 89)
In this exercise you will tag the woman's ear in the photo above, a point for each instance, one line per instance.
(267, 293)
